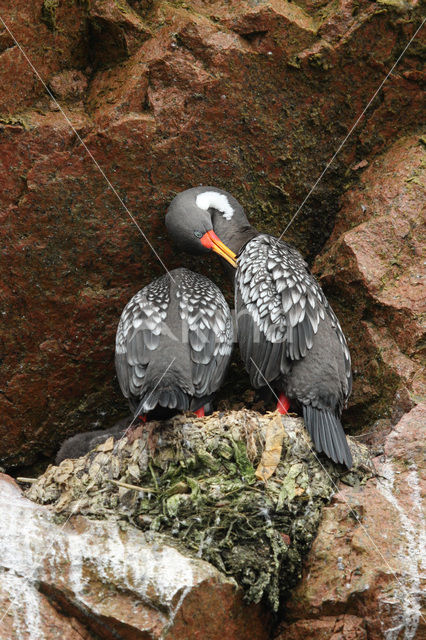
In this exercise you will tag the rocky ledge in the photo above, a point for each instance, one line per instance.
(230, 524)
(230, 504)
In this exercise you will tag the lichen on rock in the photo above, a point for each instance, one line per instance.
(194, 480)
(48, 13)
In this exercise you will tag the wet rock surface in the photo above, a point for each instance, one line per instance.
(254, 97)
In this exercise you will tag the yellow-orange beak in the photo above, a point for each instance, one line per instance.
(211, 241)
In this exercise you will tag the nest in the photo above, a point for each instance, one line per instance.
(241, 490)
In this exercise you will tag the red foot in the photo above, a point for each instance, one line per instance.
(283, 404)
(200, 412)
(142, 418)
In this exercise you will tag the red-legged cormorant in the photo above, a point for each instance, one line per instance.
(288, 334)
(173, 344)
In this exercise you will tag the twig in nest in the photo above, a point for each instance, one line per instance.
(133, 486)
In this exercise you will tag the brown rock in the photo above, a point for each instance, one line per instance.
(365, 563)
(344, 627)
(69, 85)
(90, 579)
(117, 31)
(405, 442)
(119, 91)
(372, 271)
(52, 41)
(249, 96)
(272, 26)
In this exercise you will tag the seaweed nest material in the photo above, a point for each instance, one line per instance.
(241, 490)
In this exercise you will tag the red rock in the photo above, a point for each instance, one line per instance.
(48, 48)
(366, 560)
(117, 30)
(69, 85)
(273, 26)
(372, 272)
(251, 97)
(118, 91)
(405, 442)
(344, 627)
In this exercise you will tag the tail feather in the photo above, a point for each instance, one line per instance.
(163, 390)
(327, 434)
(328, 430)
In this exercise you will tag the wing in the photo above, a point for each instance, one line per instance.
(210, 333)
(138, 334)
(279, 306)
(345, 351)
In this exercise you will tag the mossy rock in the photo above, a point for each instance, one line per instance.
(48, 13)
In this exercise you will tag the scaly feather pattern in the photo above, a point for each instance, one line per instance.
(204, 310)
(279, 306)
(139, 334)
(173, 343)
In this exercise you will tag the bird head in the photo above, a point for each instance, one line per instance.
(202, 218)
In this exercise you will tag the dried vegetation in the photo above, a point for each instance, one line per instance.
(241, 490)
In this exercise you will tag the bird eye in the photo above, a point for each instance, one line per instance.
(198, 234)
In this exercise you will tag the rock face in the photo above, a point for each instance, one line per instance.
(364, 577)
(373, 272)
(253, 97)
(95, 579)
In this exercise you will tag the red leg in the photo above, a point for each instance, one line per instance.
(283, 404)
(142, 417)
(200, 412)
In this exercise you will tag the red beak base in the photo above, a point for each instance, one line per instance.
(211, 241)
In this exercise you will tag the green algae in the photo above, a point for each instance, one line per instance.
(48, 13)
(15, 120)
(397, 4)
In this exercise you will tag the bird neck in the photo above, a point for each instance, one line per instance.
(232, 234)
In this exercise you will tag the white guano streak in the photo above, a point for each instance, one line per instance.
(408, 589)
(19, 562)
(137, 566)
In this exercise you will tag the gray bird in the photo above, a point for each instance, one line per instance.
(82, 443)
(289, 337)
(173, 344)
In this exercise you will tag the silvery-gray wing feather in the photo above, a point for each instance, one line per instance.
(279, 306)
(210, 334)
(138, 334)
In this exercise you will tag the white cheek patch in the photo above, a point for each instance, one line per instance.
(216, 200)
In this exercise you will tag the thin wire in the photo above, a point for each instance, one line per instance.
(110, 185)
(135, 417)
(351, 130)
(164, 266)
(77, 504)
(336, 488)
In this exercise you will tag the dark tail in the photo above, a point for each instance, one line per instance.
(162, 389)
(327, 434)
